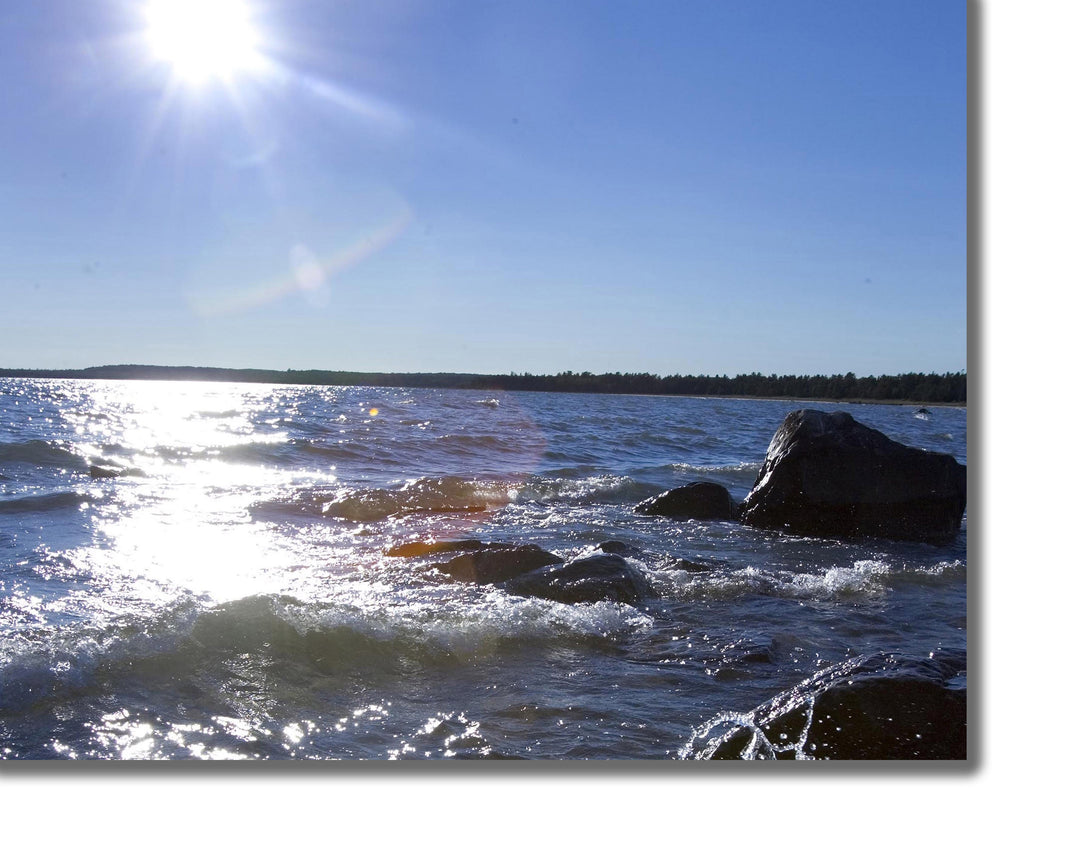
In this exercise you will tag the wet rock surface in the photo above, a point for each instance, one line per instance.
(595, 577)
(528, 570)
(498, 563)
(872, 707)
(825, 474)
(420, 548)
(698, 500)
(623, 549)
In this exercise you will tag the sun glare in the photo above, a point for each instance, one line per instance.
(202, 39)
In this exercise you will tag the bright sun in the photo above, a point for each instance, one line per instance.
(202, 39)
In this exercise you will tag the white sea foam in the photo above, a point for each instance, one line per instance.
(864, 577)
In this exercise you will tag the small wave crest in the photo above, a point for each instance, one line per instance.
(40, 452)
(747, 471)
(451, 494)
(47, 662)
(274, 449)
(47, 502)
(445, 735)
(865, 579)
(610, 488)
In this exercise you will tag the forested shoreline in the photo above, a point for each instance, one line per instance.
(948, 388)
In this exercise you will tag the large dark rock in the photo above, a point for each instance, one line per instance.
(876, 707)
(826, 474)
(596, 577)
(699, 500)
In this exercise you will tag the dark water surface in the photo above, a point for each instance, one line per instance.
(199, 571)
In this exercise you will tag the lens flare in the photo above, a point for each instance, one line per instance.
(307, 273)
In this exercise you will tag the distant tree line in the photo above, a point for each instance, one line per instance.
(924, 388)
(308, 377)
(948, 388)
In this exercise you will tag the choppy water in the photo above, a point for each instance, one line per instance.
(200, 571)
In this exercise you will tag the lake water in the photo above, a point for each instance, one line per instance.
(200, 571)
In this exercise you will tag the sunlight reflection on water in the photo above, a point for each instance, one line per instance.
(186, 520)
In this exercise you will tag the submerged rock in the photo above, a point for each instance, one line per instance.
(419, 548)
(497, 562)
(529, 570)
(596, 577)
(869, 708)
(708, 564)
(825, 474)
(479, 562)
(698, 500)
(614, 546)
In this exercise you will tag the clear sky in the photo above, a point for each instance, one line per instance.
(457, 185)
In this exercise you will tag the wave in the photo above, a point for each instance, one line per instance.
(446, 735)
(453, 494)
(747, 470)
(40, 452)
(274, 449)
(45, 663)
(594, 488)
(448, 494)
(467, 445)
(46, 503)
(863, 579)
(292, 638)
(232, 413)
(338, 452)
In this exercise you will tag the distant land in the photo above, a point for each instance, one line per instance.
(948, 388)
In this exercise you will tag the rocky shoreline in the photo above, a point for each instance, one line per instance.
(826, 475)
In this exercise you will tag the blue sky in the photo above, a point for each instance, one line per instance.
(692, 187)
